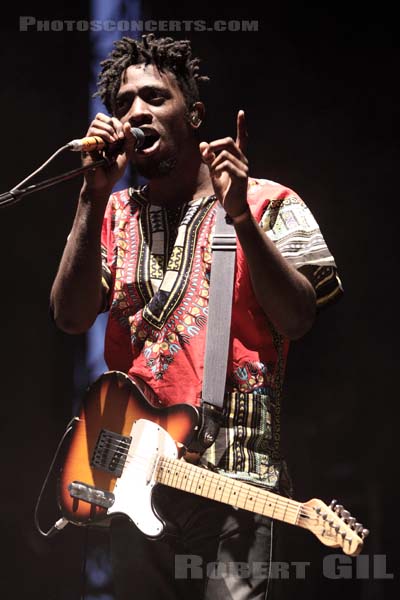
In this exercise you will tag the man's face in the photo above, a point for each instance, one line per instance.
(154, 102)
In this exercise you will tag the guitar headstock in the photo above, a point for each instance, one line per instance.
(333, 525)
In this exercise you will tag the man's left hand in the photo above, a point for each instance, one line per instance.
(228, 167)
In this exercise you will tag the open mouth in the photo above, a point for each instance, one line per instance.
(151, 142)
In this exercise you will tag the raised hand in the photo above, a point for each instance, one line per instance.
(228, 167)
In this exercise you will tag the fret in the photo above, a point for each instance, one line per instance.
(169, 474)
(269, 506)
(195, 480)
(234, 497)
(228, 491)
(212, 485)
(195, 475)
(185, 479)
(295, 508)
(190, 478)
(242, 494)
(258, 501)
(161, 474)
(250, 499)
(246, 490)
(281, 510)
(233, 492)
(178, 478)
(220, 489)
(209, 481)
(201, 480)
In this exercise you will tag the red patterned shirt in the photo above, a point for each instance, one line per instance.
(156, 273)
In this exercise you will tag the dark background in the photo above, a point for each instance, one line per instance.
(320, 91)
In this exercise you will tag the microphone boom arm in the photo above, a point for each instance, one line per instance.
(11, 197)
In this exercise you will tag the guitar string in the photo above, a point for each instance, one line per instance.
(141, 460)
(131, 458)
(287, 503)
(293, 506)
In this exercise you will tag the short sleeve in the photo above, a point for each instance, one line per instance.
(289, 223)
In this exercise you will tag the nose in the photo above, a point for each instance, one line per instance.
(139, 113)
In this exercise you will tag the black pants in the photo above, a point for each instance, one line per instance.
(215, 553)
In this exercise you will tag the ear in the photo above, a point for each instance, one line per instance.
(196, 114)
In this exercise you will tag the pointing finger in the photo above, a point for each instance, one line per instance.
(241, 136)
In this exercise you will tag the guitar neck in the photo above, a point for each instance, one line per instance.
(202, 482)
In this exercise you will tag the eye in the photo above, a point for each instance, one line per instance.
(121, 104)
(155, 98)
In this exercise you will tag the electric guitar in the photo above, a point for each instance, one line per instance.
(122, 445)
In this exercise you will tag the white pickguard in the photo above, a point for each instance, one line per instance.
(134, 487)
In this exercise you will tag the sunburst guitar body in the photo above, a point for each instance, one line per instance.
(122, 445)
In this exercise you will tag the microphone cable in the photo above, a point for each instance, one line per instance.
(11, 197)
(39, 169)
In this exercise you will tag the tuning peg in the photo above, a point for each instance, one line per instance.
(345, 514)
(351, 521)
(364, 533)
(358, 527)
(331, 522)
(338, 509)
(333, 504)
(337, 528)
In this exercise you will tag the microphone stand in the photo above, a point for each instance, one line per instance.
(14, 195)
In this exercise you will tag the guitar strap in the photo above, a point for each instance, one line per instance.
(218, 331)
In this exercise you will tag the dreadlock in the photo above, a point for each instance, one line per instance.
(165, 53)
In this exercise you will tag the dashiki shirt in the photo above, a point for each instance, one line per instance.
(156, 273)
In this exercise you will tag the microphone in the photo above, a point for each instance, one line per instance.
(95, 142)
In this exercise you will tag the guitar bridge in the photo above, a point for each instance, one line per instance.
(110, 452)
(88, 493)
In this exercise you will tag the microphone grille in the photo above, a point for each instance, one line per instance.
(139, 135)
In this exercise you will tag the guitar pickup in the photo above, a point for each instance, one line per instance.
(88, 493)
(110, 452)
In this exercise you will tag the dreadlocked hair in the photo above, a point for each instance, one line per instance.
(165, 53)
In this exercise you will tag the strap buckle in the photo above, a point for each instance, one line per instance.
(210, 421)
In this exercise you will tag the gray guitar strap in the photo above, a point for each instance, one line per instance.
(218, 330)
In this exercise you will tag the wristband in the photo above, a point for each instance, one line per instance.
(239, 218)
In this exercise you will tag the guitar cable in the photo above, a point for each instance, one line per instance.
(62, 522)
